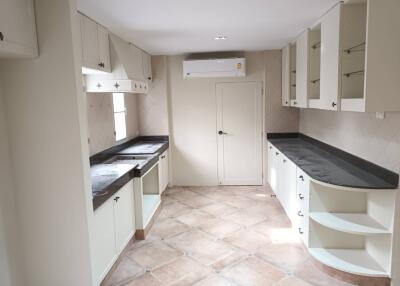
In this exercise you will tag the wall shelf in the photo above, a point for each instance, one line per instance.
(355, 223)
(355, 261)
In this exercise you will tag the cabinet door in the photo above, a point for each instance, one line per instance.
(137, 63)
(302, 64)
(147, 73)
(269, 164)
(330, 59)
(104, 48)
(286, 76)
(17, 25)
(103, 240)
(275, 170)
(90, 55)
(287, 186)
(123, 216)
(165, 170)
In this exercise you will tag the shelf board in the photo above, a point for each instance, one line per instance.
(355, 223)
(353, 104)
(150, 204)
(355, 261)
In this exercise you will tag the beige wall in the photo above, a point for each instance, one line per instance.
(43, 105)
(11, 269)
(192, 111)
(361, 134)
(100, 116)
(152, 107)
(277, 117)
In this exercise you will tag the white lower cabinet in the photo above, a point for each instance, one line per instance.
(112, 227)
(163, 171)
(349, 229)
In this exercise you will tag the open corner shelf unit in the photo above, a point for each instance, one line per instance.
(352, 229)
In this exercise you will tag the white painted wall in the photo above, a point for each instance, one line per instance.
(100, 116)
(44, 108)
(11, 271)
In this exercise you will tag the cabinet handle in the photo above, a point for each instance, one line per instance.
(149, 78)
(294, 102)
(301, 197)
(116, 85)
(299, 213)
(163, 157)
(99, 85)
(1, 36)
(301, 231)
(286, 102)
(270, 147)
(276, 153)
(99, 64)
(284, 160)
(116, 199)
(273, 196)
(333, 104)
(301, 177)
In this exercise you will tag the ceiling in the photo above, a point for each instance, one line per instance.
(165, 27)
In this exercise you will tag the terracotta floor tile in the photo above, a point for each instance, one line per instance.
(219, 227)
(248, 240)
(244, 217)
(219, 209)
(145, 280)
(206, 190)
(226, 261)
(180, 270)
(292, 281)
(125, 271)
(195, 218)
(197, 201)
(167, 200)
(289, 257)
(200, 246)
(166, 228)
(173, 209)
(154, 254)
(277, 235)
(253, 272)
(240, 202)
(214, 280)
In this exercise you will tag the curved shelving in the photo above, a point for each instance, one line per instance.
(355, 261)
(355, 223)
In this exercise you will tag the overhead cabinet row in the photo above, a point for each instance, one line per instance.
(97, 54)
(347, 61)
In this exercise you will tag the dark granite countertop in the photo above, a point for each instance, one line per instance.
(327, 164)
(111, 170)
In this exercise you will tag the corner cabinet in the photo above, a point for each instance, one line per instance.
(349, 229)
(113, 226)
(17, 29)
(95, 46)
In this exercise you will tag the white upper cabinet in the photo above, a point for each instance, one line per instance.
(302, 70)
(147, 72)
(286, 76)
(17, 29)
(330, 59)
(95, 46)
(137, 63)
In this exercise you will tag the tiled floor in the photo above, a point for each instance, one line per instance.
(219, 236)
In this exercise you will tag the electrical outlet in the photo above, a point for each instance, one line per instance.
(380, 115)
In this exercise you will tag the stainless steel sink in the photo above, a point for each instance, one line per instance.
(129, 159)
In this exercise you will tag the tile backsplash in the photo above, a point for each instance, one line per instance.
(361, 134)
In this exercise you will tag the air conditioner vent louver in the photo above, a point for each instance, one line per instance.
(232, 67)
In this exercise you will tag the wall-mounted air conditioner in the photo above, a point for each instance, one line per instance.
(233, 67)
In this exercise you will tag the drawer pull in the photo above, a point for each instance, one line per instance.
(299, 213)
(301, 197)
(276, 153)
(301, 231)
(284, 160)
(301, 177)
(270, 147)
(116, 199)
(273, 196)
(163, 157)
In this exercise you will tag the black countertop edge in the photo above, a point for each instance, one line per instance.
(108, 153)
(388, 176)
(111, 189)
(283, 135)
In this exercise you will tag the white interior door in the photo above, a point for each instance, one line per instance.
(239, 132)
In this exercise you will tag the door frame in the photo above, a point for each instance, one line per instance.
(262, 126)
